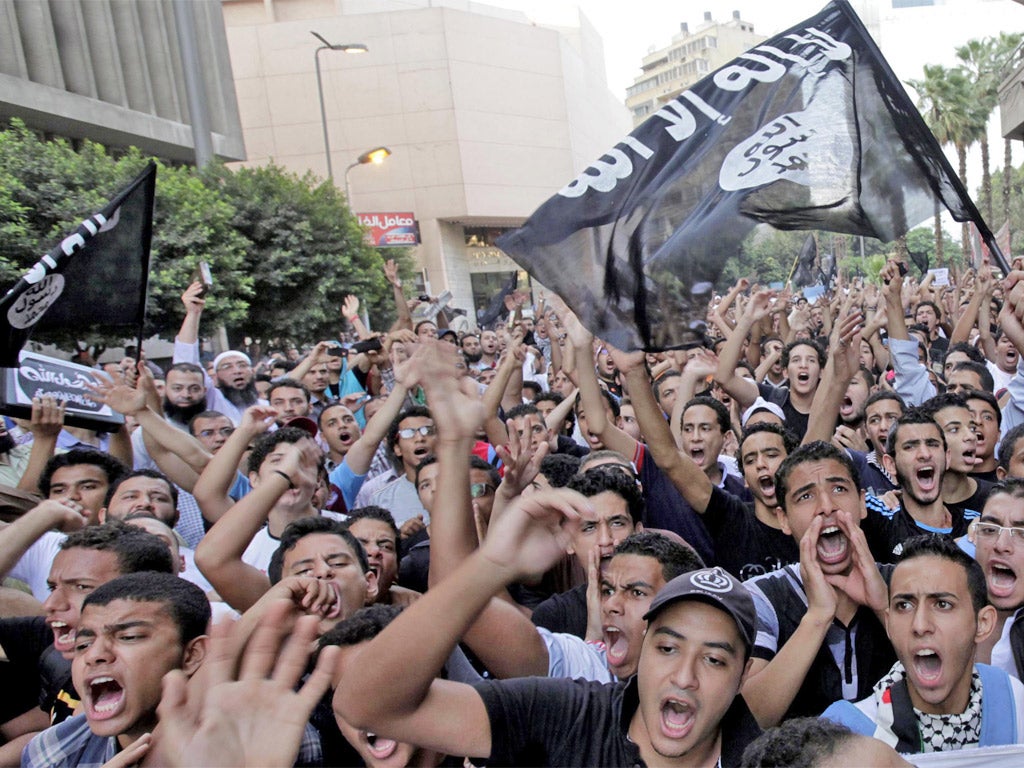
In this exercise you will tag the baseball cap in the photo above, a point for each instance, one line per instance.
(303, 423)
(717, 588)
(761, 405)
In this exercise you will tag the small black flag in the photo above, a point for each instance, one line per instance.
(96, 276)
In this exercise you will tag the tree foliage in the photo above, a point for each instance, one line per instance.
(283, 249)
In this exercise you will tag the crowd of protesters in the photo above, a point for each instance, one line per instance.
(798, 543)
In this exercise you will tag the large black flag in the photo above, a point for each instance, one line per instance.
(807, 131)
(97, 276)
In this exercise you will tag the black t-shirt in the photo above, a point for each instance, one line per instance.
(23, 639)
(886, 530)
(970, 508)
(796, 422)
(665, 507)
(567, 445)
(745, 546)
(544, 721)
(564, 612)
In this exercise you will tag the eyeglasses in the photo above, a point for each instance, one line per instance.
(223, 432)
(479, 490)
(409, 432)
(992, 531)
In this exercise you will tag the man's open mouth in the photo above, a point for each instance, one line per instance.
(677, 718)
(380, 747)
(63, 636)
(832, 545)
(106, 697)
(927, 665)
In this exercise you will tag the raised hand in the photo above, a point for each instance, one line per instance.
(193, 299)
(821, 595)
(863, 584)
(117, 396)
(391, 273)
(350, 306)
(47, 417)
(256, 420)
(243, 709)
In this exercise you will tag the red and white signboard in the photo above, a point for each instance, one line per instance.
(385, 230)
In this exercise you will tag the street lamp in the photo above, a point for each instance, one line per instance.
(348, 48)
(375, 156)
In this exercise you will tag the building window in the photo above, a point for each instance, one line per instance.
(483, 236)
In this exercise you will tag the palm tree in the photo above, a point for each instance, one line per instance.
(984, 60)
(947, 102)
(1006, 50)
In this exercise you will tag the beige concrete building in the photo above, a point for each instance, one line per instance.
(690, 56)
(486, 115)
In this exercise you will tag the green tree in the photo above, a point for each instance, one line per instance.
(304, 254)
(946, 101)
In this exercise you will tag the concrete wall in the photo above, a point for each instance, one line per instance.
(109, 70)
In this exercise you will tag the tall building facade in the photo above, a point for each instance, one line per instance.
(112, 71)
(486, 114)
(690, 56)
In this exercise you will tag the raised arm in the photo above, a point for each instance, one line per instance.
(16, 538)
(46, 422)
(401, 305)
(390, 686)
(350, 311)
(688, 478)
(842, 364)
(219, 554)
(743, 390)
(212, 487)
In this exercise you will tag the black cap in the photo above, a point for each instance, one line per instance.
(714, 587)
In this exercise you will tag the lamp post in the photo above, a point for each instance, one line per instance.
(375, 156)
(347, 48)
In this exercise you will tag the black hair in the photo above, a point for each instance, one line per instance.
(182, 600)
(817, 450)
(803, 742)
(113, 468)
(674, 558)
(372, 512)
(523, 409)
(884, 394)
(362, 626)
(988, 397)
(721, 412)
(660, 381)
(601, 479)
(559, 468)
(789, 440)
(984, 375)
(938, 545)
(557, 398)
(204, 415)
(933, 305)
(188, 368)
(532, 385)
(307, 526)
(286, 381)
(266, 443)
(426, 462)
(287, 365)
(135, 549)
(1009, 486)
(475, 462)
(972, 352)
(1008, 445)
(144, 473)
(788, 350)
(909, 417)
(412, 412)
(942, 401)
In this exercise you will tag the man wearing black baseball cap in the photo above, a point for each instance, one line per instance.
(682, 708)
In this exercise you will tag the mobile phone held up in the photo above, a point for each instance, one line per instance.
(202, 274)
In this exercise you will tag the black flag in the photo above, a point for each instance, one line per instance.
(805, 271)
(809, 130)
(97, 276)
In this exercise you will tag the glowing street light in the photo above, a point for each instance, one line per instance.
(374, 156)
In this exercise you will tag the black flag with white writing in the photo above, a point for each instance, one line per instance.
(809, 130)
(96, 277)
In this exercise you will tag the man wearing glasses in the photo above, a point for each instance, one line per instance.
(998, 539)
(410, 440)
